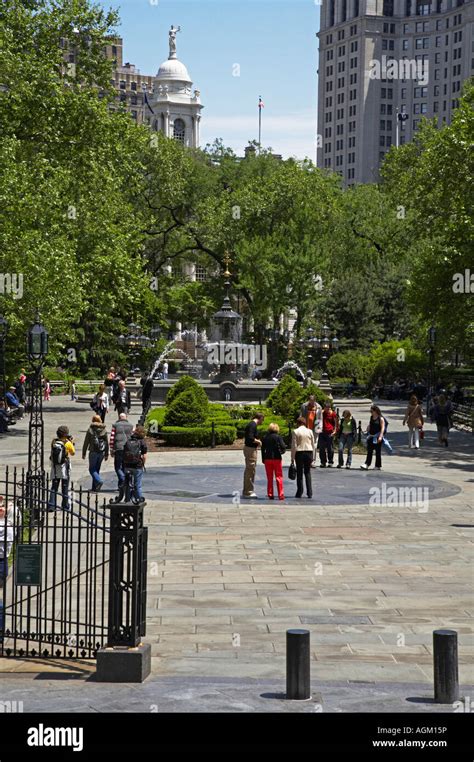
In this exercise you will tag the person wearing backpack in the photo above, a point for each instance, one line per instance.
(134, 458)
(96, 441)
(62, 449)
(121, 432)
(100, 402)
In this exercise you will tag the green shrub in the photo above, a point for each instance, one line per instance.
(283, 398)
(185, 384)
(289, 395)
(349, 364)
(178, 436)
(386, 361)
(187, 409)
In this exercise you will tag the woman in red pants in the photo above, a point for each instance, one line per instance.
(273, 448)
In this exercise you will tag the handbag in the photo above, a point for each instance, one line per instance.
(292, 472)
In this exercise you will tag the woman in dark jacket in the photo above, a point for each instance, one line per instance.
(97, 442)
(273, 448)
(375, 431)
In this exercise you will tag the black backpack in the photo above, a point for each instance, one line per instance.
(132, 453)
(58, 452)
(98, 443)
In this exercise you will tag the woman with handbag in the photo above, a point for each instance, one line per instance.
(414, 419)
(273, 447)
(302, 448)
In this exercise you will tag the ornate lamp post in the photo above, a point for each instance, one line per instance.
(134, 341)
(326, 345)
(37, 349)
(3, 338)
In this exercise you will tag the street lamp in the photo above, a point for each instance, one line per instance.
(3, 338)
(324, 344)
(134, 341)
(37, 349)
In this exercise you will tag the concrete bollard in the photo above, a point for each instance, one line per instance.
(298, 681)
(445, 664)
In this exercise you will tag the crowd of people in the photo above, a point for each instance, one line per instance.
(316, 433)
(125, 443)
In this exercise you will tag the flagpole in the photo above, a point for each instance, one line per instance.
(259, 123)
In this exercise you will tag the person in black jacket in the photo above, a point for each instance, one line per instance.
(273, 447)
(122, 399)
(147, 390)
(347, 436)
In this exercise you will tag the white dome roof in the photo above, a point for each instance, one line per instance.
(172, 69)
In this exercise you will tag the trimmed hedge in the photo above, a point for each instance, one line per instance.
(180, 436)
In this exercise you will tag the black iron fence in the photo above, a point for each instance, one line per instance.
(54, 575)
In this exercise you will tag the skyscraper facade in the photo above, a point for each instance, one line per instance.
(383, 65)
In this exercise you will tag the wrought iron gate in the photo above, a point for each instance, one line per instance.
(54, 598)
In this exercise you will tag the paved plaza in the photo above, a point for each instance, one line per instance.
(227, 578)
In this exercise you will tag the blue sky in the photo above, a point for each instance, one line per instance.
(273, 41)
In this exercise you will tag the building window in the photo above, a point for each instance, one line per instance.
(201, 274)
(179, 130)
(387, 8)
(405, 44)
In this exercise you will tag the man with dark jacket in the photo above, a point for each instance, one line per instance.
(122, 399)
(121, 433)
(147, 391)
(251, 444)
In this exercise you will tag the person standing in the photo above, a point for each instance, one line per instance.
(273, 447)
(97, 443)
(302, 449)
(62, 449)
(414, 419)
(73, 391)
(327, 435)
(442, 414)
(147, 391)
(251, 445)
(47, 390)
(347, 434)
(100, 402)
(312, 412)
(375, 430)
(121, 432)
(165, 371)
(122, 398)
(134, 458)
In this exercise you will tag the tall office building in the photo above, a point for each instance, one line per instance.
(382, 58)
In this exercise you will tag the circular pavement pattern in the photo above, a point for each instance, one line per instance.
(331, 486)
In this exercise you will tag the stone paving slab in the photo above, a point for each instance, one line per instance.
(358, 576)
(218, 694)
